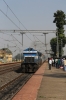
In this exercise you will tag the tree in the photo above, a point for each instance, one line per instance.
(60, 22)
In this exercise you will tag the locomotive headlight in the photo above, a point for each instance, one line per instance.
(24, 57)
(36, 57)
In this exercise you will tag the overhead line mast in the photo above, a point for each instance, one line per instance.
(29, 31)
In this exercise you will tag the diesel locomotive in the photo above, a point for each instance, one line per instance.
(32, 59)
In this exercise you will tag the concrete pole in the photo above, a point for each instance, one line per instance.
(22, 37)
(61, 47)
(45, 43)
(57, 46)
(45, 38)
(22, 43)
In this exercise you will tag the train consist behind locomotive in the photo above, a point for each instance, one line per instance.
(32, 60)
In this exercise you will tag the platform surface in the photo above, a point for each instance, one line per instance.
(53, 85)
(45, 84)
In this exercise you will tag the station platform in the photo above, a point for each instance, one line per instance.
(45, 84)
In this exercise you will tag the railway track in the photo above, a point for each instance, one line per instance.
(4, 68)
(8, 91)
(9, 63)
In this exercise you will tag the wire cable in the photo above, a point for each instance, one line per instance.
(14, 14)
(17, 19)
(12, 22)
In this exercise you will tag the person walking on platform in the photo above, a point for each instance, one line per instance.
(50, 63)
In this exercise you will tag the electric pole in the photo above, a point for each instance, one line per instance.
(61, 47)
(57, 46)
(22, 43)
(22, 37)
(45, 42)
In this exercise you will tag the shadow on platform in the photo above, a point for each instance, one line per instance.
(56, 75)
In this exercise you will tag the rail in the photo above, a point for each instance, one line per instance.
(4, 68)
(8, 91)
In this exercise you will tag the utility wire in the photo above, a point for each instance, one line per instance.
(40, 41)
(10, 40)
(17, 40)
(14, 14)
(17, 18)
(9, 18)
(4, 39)
(7, 34)
(12, 21)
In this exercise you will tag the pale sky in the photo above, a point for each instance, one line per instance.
(34, 15)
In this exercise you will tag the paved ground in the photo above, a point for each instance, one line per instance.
(53, 85)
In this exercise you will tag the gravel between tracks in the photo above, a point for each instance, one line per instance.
(5, 78)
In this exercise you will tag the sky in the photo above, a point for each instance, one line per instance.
(32, 15)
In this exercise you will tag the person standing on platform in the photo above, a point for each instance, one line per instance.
(64, 64)
(50, 63)
(58, 63)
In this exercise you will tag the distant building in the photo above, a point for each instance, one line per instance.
(5, 55)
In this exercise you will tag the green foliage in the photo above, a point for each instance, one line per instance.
(53, 44)
(19, 57)
(60, 22)
(59, 19)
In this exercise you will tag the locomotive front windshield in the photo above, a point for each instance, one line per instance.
(30, 57)
(30, 54)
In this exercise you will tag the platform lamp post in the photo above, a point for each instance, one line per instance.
(45, 41)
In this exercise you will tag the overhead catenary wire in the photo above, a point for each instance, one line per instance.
(11, 41)
(14, 14)
(17, 18)
(13, 22)
(12, 36)
(9, 18)
(40, 41)
(5, 39)
(17, 40)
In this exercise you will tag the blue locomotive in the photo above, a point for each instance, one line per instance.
(32, 60)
